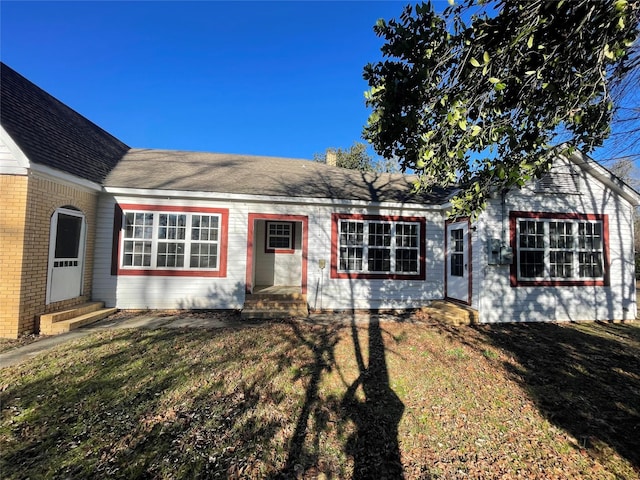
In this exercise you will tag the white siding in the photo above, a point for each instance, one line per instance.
(159, 292)
(12, 160)
(328, 293)
(499, 302)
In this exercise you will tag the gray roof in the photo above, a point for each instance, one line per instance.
(256, 175)
(52, 134)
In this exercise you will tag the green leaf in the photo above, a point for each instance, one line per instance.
(475, 130)
(462, 124)
(494, 80)
(530, 42)
(608, 53)
(474, 62)
(499, 86)
(485, 57)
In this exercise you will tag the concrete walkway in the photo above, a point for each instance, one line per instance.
(153, 320)
(149, 321)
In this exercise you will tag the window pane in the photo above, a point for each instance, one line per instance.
(279, 235)
(407, 261)
(560, 235)
(204, 255)
(590, 265)
(379, 260)
(352, 233)
(380, 234)
(561, 264)
(457, 265)
(68, 236)
(531, 234)
(170, 255)
(406, 235)
(351, 258)
(531, 264)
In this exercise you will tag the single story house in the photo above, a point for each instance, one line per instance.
(87, 218)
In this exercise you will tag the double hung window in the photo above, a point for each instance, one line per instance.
(562, 249)
(166, 240)
(280, 237)
(378, 246)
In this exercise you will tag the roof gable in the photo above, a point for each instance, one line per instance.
(605, 176)
(52, 134)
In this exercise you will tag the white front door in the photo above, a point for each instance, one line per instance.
(458, 261)
(66, 255)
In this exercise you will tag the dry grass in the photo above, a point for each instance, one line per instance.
(293, 400)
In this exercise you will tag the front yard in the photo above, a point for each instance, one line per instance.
(295, 400)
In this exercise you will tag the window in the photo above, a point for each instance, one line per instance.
(559, 250)
(377, 247)
(280, 237)
(172, 240)
(457, 252)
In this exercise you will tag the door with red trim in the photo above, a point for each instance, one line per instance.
(458, 262)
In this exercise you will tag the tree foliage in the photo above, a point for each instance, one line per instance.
(480, 102)
(356, 157)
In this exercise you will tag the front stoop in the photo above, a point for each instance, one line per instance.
(257, 306)
(451, 313)
(72, 318)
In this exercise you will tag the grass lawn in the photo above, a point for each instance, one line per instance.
(294, 400)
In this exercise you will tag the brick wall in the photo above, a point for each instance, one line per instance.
(13, 198)
(28, 262)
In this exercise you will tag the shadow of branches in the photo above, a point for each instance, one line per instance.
(585, 378)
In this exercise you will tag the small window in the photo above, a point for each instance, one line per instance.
(280, 237)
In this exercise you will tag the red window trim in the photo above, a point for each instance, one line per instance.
(335, 220)
(116, 268)
(604, 218)
(280, 250)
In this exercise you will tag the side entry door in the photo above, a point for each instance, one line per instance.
(458, 265)
(66, 255)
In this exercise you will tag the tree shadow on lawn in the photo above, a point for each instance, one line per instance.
(226, 403)
(373, 445)
(148, 404)
(585, 378)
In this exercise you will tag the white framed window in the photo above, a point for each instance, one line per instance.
(166, 240)
(280, 237)
(378, 247)
(560, 249)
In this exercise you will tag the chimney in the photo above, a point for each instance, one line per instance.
(332, 158)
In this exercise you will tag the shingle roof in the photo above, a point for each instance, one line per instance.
(256, 175)
(52, 134)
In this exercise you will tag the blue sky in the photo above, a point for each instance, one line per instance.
(264, 78)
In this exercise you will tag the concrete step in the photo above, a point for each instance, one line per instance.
(269, 313)
(284, 297)
(451, 313)
(83, 315)
(275, 306)
(68, 313)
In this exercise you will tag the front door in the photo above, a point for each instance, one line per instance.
(66, 255)
(277, 252)
(458, 262)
